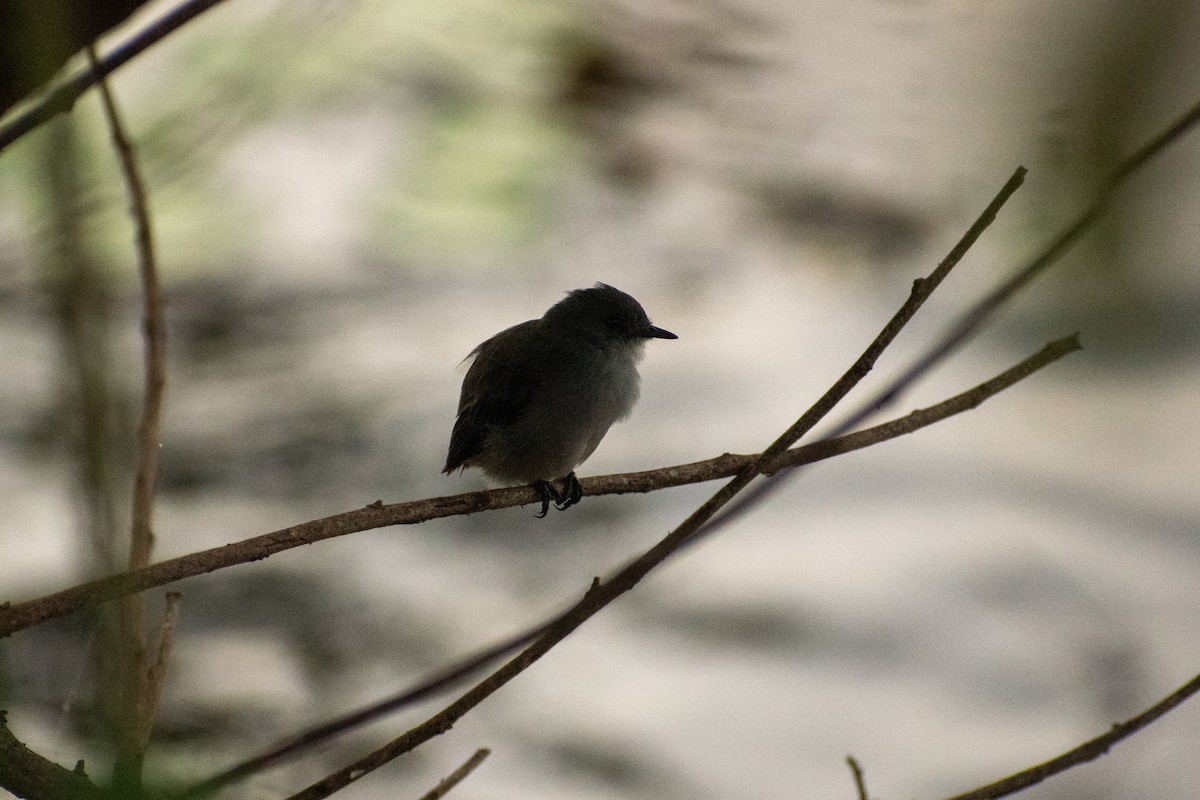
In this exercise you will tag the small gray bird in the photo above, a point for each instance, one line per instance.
(540, 396)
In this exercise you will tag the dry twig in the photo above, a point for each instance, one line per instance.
(1088, 751)
(860, 783)
(454, 778)
(137, 698)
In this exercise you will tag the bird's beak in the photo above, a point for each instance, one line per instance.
(658, 333)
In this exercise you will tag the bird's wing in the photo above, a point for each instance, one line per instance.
(495, 391)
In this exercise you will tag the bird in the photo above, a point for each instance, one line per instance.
(539, 396)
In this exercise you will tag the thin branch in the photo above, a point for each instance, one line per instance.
(454, 778)
(304, 742)
(1088, 751)
(27, 774)
(19, 616)
(153, 329)
(138, 699)
(922, 288)
(156, 673)
(62, 97)
(860, 783)
(979, 314)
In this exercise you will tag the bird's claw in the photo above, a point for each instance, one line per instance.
(548, 492)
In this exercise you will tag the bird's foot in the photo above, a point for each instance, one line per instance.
(546, 493)
(571, 493)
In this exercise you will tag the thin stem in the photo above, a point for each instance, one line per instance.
(137, 698)
(860, 783)
(454, 778)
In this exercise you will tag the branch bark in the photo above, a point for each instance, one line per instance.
(27, 774)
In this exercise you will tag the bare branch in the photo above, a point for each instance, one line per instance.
(454, 778)
(311, 738)
(153, 328)
(138, 700)
(860, 783)
(922, 288)
(156, 673)
(979, 314)
(1085, 752)
(27, 774)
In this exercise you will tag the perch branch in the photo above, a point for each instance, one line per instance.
(19, 616)
(377, 515)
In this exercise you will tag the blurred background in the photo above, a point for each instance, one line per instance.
(348, 197)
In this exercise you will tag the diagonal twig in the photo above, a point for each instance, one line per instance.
(456, 777)
(979, 314)
(1088, 751)
(304, 742)
(63, 95)
(860, 782)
